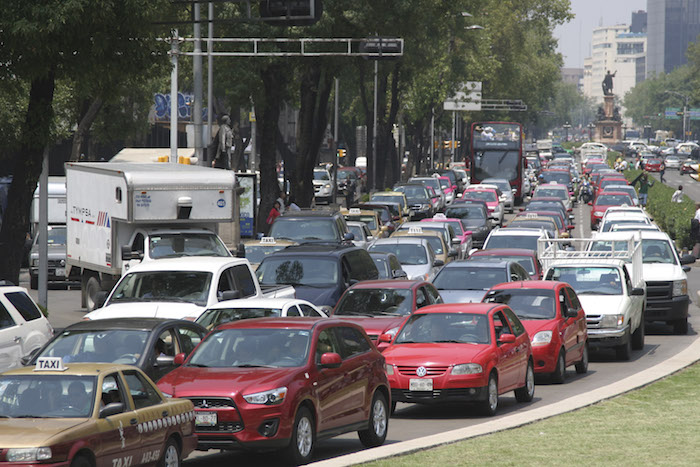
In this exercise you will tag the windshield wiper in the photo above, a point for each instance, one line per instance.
(449, 341)
(357, 313)
(198, 365)
(248, 365)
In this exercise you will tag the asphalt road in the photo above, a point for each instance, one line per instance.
(413, 421)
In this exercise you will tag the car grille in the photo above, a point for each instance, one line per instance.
(659, 290)
(430, 370)
(212, 402)
(434, 394)
(593, 321)
(416, 207)
(223, 426)
(55, 263)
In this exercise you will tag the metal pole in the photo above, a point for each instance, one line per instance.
(374, 132)
(210, 80)
(173, 97)
(335, 142)
(453, 145)
(253, 140)
(44, 229)
(197, 72)
(685, 117)
(432, 138)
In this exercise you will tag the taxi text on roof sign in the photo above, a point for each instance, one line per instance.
(49, 364)
(413, 230)
(355, 211)
(267, 240)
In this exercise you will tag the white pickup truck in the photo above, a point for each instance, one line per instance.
(609, 285)
(183, 288)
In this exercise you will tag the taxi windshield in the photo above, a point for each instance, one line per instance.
(164, 286)
(375, 302)
(98, 346)
(526, 303)
(47, 396)
(459, 328)
(253, 348)
(176, 245)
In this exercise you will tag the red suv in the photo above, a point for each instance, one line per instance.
(283, 383)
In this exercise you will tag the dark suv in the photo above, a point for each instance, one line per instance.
(311, 226)
(320, 273)
(418, 200)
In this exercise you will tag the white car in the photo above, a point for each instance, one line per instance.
(619, 218)
(515, 238)
(591, 148)
(672, 162)
(23, 327)
(554, 190)
(323, 186)
(363, 236)
(415, 254)
(507, 196)
(233, 310)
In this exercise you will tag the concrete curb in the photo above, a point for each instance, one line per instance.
(683, 359)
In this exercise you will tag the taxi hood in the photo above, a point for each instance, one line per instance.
(433, 354)
(23, 432)
(374, 326)
(190, 381)
(175, 310)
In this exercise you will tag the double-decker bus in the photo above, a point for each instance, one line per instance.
(496, 151)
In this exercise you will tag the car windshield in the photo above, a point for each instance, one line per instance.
(216, 316)
(528, 242)
(550, 227)
(613, 200)
(98, 346)
(47, 396)
(321, 175)
(251, 348)
(535, 205)
(466, 212)
(409, 254)
(589, 280)
(389, 198)
(525, 261)
(371, 221)
(458, 328)
(302, 229)
(255, 253)
(609, 224)
(555, 217)
(346, 174)
(431, 182)
(57, 236)
(435, 242)
(657, 251)
(481, 195)
(445, 183)
(305, 271)
(552, 192)
(375, 302)
(560, 177)
(526, 303)
(413, 191)
(469, 278)
(502, 185)
(164, 286)
(176, 245)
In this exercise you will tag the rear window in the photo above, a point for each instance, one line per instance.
(481, 195)
(24, 305)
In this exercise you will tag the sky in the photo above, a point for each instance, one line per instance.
(575, 36)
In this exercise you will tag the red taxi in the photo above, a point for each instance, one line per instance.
(490, 196)
(554, 320)
(654, 165)
(283, 383)
(605, 200)
(461, 353)
(465, 236)
(381, 306)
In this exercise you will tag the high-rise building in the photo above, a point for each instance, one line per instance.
(672, 26)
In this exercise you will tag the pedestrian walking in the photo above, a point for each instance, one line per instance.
(644, 184)
(662, 172)
(677, 196)
(350, 193)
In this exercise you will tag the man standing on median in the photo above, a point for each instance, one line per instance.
(644, 185)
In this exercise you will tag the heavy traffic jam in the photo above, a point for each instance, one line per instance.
(457, 286)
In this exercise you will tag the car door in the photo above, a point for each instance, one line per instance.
(164, 346)
(329, 384)
(521, 344)
(507, 359)
(357, 372)
(578, 327)
(10, 339)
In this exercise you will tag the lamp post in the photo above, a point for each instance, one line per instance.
(685, 98)
(591, 126)
(566, 127)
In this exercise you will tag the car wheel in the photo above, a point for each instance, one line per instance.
(490, 405)
(559, 374)
(81, 461)
(378, 423)
(33, 282)
(680, 327)
(92, 288)
(624, 351)
(638, 336)
(393, 407)
(171, 455)
(582, 365)
(527, 392)
(301, 445)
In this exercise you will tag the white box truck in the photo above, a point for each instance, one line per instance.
(120, 214)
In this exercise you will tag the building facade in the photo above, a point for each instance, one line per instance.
(672, 26)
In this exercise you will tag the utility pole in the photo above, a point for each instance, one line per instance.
(173, 96)
(197, 75)
(432, 138)
(374, 132)
(44, 230)
(210, 81)
(335, 141)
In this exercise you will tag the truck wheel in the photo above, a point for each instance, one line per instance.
(638, 336)
(680, 327)
(582, 365)
(559, 374)
(33, 282)
(624, 351)
(92, 288)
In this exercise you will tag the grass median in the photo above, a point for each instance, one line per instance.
(657, 424)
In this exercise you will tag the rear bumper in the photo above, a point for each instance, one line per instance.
(667, 309)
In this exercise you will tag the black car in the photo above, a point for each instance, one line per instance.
(419, 200)
(386, 217)
(323, 225)
(320, 273)
(388, 265)
(474, 216)
(454, 179)
(148, 343)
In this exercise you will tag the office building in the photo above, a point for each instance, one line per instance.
(672, 26)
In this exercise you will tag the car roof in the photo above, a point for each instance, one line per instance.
(280, 323)
(320, 248)
(520, 231)
(468, 263)
(187, 263)
(397, 240)
(70, 369)
(477, 308)
(545, 285)
(388, 284)
(388, 193)
(258, 303)
(408, 233)
(426, 225)
(310, 213)
(143, 324)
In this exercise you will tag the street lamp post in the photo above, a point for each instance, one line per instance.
(591, 126)
(685, 98)
(566, 127)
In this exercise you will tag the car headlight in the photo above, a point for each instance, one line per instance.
(542, 338)
(598, 213)
(680, 287)
(612, 321)
(327, 186)
(467, 369)
(271, 397)
(425, 207)
(389, 369)
(28, 454)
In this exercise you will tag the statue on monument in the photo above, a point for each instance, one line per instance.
(608, 83)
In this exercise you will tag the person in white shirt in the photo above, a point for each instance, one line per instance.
(280, 200)
(293, 205)
(677, 196)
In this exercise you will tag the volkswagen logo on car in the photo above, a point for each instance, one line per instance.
(421, 371)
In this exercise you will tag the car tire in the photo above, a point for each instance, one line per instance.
(378, 423)
(81, 461)
(92, 288)
(558, 376)
(624, 351)
(680, 327)
(490, 405)
(33, 282)
(582, 365)
(638, 336)
(171, 455)
(303, 439)
(393, 407)
(527, 392)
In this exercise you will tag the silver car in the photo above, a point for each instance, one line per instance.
(468, 281)
(415, 254)
(673, 162)
(433, 183)
(363, 236)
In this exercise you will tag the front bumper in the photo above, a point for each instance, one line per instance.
(446, 386)
(608, 337)
(666, 309)
(437, 396)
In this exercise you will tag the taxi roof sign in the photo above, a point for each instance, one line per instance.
(415, 230)
(267, 240)
(355, 211)
(49, 364)
(439, 215)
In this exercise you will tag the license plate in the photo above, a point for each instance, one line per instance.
(420, 385)
(205, 419)
(60, 272)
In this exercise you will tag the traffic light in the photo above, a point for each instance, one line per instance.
(447, 144)
(341, 153)
(291, 12)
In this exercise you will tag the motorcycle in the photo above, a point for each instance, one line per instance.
(586, 193)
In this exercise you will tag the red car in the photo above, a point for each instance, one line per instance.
(605, 200)
(611, 181)
(381, 306)
(526, 258)
(461, 352)
(654, 165)
(554, 320)
(283, 383)
(488, 195)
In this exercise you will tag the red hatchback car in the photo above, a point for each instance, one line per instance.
(554, 320)
(461, 352)
(381, 306)
(605, 200)
(283, 383)
(654, 165)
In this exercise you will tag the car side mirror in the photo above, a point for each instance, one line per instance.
(438, 262)
(399, 274)
(637, 291)
(240, 251)
(468, 233)
(506, 339)
(686, 268)
(570, 227)
(165, 360)
(230, 295)
(349, 236)
(100, 299)
(386, 338)
(456, 241)
(179, 359)
(452, 253)
(370, 238)
(330, 360)
(590, 203)
(127, 254)
(111, 409)
(28, 358)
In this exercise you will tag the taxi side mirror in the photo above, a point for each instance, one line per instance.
(386, 338)
(165, 360)
(113, 408)
(506, 339)
(179, 359)
(330, 360)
